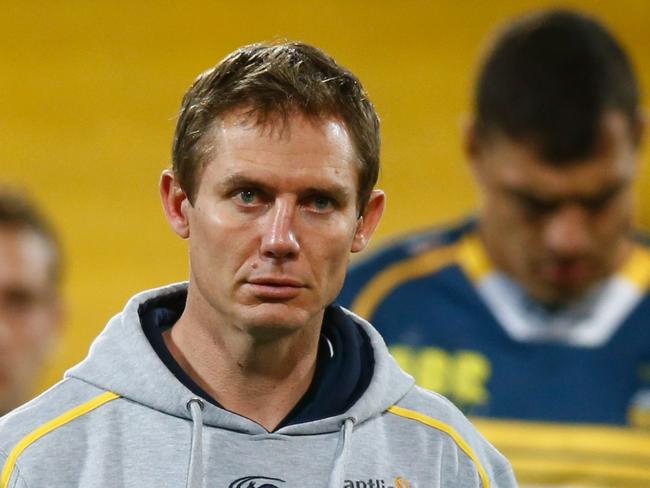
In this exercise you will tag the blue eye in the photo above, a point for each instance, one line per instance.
(247, 196)
(322, 203)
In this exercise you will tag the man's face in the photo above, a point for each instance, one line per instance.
(273, 222)
(29, 312)
(557, 229)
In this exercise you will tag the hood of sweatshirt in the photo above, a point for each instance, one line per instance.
(122, 360)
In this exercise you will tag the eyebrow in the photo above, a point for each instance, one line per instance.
(231, 182)
(602, 195)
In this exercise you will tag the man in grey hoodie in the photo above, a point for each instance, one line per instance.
(246, 376)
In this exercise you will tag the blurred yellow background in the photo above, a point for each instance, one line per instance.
(89, 92)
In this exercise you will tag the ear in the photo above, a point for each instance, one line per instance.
(473, 148)
(471, 143)
(47, 336)
(57, 317)
(369, 220)
(175, 203)
(640, 127)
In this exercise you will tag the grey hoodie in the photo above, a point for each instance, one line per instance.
(121, 418)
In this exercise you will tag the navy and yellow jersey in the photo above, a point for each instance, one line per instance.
(564, 394)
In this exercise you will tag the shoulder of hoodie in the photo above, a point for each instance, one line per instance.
(62, 404)
(432, 412)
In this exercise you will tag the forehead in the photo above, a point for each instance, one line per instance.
(518, 165)
(283, 149)
(25, 258)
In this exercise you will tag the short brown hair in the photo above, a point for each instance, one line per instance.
(271, 81)
(549, 78)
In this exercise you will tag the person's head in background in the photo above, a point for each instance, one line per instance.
(554, 147)
(30, 305)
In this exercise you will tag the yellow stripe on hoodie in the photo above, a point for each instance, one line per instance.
(447, 429)
(48, 427)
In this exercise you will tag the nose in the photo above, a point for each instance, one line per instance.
(566, 232)
(279, 238)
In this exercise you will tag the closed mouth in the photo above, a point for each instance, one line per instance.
(275, 289)
(276, 281)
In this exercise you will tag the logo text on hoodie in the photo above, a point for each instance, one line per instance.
(267, 482)
(256, 482)
(377, 483)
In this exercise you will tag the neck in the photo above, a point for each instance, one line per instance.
(261, 379)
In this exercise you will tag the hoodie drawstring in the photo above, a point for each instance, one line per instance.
(195, 471)
(337, 478)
